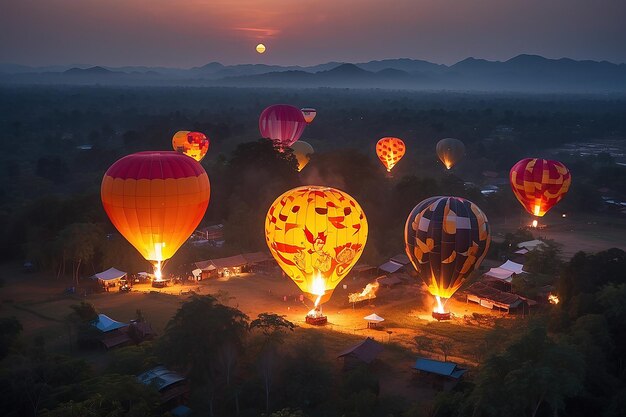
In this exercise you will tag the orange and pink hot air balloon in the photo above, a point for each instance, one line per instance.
(156, 200)
(539, 184)
(282, 123)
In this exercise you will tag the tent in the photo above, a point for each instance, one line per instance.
(522, 251)
(513, 266)
(107, 324)
(500, 273)
(373, 320)
(366, 351)
(110, 275)
(531, 244)
(391, 267)
(197, 273)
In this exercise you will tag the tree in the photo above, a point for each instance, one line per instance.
(273, 327)
(10, 329)
(532, 372)
(80, 241)
(423, 343)
(446, 348)
(203, 338)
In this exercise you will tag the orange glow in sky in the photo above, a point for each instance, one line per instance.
(186, 33)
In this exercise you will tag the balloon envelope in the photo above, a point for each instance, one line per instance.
(539, 184)
(302, 151)
(390, 150)
(316, 234)
(450, 151)
(309, 114)
(446, 238)
(192, 144)
(155, 200)
(282, 123)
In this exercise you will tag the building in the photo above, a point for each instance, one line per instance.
(495, 299)
(234, 265)
(172, 386)
(364, 352)
(363, 271)
(113, 333)
(440, 375)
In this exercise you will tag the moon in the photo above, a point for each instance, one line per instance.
(260, 48)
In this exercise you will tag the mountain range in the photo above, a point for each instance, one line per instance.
(530, 73)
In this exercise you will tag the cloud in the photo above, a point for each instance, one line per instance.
(259, 32)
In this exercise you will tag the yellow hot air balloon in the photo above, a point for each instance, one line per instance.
(302, 151)
(316, 234)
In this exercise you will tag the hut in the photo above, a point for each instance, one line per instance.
(440, 375)
(364, 352)
(495, 299)
(172, 386)
(113, 333)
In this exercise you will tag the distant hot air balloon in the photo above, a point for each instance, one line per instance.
(390, 151)
(450, 151)
(316, 234)
(539, 184)
(282, 123)
(156, 200)
(309, 114)
(446, 239)
(302, 151)
(192, 144)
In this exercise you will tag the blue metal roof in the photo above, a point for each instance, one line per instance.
(432, 366)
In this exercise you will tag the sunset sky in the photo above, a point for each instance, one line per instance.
(185, 33)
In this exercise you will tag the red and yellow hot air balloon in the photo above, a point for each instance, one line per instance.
(192, 144)
(446, 239)
(390, 150)
(450, 151)
(539, 184)
(302, 151)
(316, 234)
(156, 200)
(309, 114)
(282, 123)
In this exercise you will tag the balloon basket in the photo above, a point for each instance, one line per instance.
(441, 316)
(316, 320)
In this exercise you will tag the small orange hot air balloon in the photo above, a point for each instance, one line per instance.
(192, 144)
(309, 114)
(156, 200)
(390, 150)
(316, 234)
(539, 184)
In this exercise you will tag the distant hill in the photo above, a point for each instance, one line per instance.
(528, 73)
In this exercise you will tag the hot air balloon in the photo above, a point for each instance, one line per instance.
(446, 238)
(302, 151)
(192, 144)
(390, 151)
(450, 151)
(309, 114)
(539, 184)
(316, 234)
(282, 123)
(156, 200)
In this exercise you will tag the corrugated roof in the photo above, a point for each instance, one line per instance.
(161, 377)
(365, 351)
(401, 259)
(229, 262)
(449, 369)
(390, 267)
(107, 324)
(494, 295)
(257, 257)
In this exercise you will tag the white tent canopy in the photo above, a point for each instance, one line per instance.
(110, 274)
(107, 324)
(531, 244)
(499, 273)
(374, 318)
(197, 272)
(513, 266)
